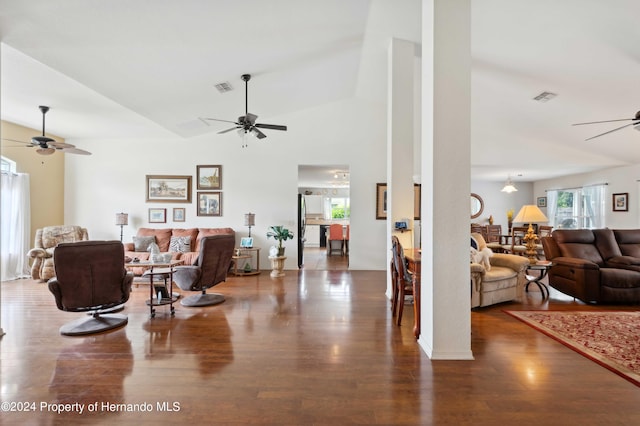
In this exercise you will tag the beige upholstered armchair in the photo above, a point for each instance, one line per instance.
(500, 281)
(46, 240)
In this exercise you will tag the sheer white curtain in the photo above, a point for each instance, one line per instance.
(15, 226)
(552, 207)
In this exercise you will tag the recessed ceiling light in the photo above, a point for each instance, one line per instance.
(224, 87)
(545, 96)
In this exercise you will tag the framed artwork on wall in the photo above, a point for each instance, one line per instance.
(210, 203)
(169, 189)
(179, 214)
(542, 201)
(157, 215)
(209, 177)
(381, 201)
(621, 202)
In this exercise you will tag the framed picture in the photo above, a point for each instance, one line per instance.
(542, 201)
(621, 202)
(381, 201)
(210, 203)
(178, 214)
(157, 215)
(246, 242)
(170, 189)
(209, 177)
(417, 199)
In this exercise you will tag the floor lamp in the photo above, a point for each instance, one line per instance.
(530, 214)
(122, 219)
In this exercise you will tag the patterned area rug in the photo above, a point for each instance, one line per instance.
(612, 339)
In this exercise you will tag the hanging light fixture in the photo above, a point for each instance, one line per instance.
(509, 187)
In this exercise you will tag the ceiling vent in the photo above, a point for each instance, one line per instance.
(224, 87)
(545, 96)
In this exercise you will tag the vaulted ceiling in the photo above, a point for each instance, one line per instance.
(148, 69)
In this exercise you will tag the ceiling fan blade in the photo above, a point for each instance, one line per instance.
(204, 120)
(611, 131)
(17, 141)
(271, 126)
(228, 130)
(60, 145)
(258, 133)
(606, 121)
(251, 118)
(75, 150)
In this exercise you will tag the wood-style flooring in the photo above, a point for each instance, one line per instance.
(312, 348)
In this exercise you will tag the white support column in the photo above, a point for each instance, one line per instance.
(446, 108)
(400, 140)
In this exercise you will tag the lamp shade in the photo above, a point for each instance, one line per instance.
(530, 214)
(122, 219)
(249, 219)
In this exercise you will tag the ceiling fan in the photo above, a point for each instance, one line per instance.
(246, 123)
(46, 145)
(634, 122)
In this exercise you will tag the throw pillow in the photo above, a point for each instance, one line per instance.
(143, 243)
(180, 244)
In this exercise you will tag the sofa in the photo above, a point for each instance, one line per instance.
(183, 244)
(46, 240)
(595, 265)
(496, 278)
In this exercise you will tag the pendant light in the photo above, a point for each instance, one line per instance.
(509, 187)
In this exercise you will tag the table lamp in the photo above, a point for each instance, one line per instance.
(530, 214)
(249, 220)
(122, 219)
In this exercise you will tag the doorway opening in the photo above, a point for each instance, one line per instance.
(323, 200)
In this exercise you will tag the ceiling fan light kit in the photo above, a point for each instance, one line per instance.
(246, 124)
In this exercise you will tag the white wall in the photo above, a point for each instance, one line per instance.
(618, 180)
(497, 203)
(262, 178)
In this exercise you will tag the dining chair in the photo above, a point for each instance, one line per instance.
(402, 281)
(515, 243)
(336, 237)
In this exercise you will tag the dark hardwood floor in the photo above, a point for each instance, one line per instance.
(312, 348)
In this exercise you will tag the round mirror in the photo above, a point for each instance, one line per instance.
(477, 205)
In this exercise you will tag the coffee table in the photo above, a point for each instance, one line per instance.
(154, 269)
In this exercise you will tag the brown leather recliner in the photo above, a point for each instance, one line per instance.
(90, 277)
(211, 269)
(589, 265)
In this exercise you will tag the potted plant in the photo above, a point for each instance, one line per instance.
(280, 234)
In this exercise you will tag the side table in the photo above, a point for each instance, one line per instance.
(244, 254)
(543, 269)
(158, 269)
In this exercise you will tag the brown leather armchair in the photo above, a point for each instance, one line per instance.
(90, 277)
(46, 240)
(210, 269)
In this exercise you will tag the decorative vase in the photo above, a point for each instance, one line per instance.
(491, 220)
(281, 251)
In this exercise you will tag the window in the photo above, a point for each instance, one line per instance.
(8, 165)
(577, 208)
(340, 208)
